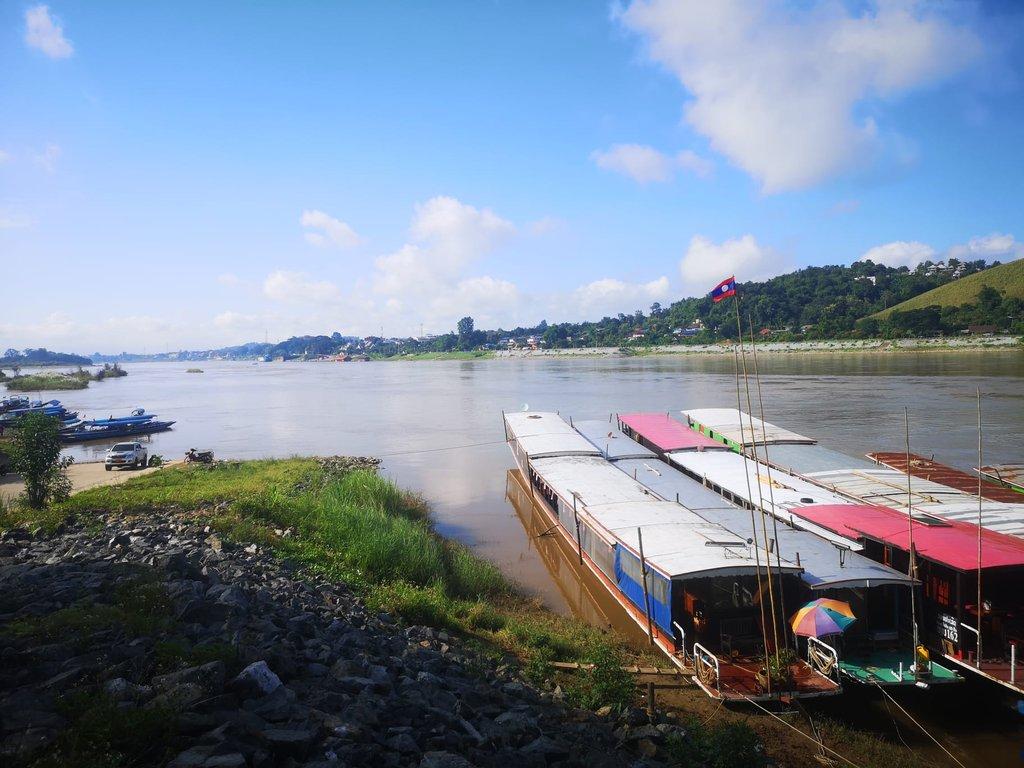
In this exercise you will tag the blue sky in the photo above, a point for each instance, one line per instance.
(196, 174)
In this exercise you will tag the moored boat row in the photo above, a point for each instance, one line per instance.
(722, 541)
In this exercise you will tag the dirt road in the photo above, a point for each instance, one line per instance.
(85, 475)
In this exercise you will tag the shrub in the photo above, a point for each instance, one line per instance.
(36, 449)
(605, 684)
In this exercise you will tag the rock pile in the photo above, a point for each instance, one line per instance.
(249, 663)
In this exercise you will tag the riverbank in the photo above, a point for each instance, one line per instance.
(331, 539)
(878, 346)
(84, 475)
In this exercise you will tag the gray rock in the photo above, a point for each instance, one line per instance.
(256, 680)
(289, 742)
(442, 759)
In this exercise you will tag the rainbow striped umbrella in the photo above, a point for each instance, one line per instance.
(822, 617)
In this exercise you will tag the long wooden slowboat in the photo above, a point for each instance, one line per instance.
(686, 582)
(1010, 475)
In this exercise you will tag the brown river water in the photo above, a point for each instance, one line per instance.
(438, 428)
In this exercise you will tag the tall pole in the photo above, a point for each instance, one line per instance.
(912, 567)
(753, 523)
(760, 494)
(980, 465)
(771, 487)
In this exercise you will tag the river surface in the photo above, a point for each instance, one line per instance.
(438, 428)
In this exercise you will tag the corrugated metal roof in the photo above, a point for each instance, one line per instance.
(679, 542)
(888, 487)
(611, 441)
(951, 543)
(667, 434)
(824, 566)
(593, 480)
(929, 469)
(542, 434)
(726, 422)
(803, 458)
(731, 471)
(1011, 474)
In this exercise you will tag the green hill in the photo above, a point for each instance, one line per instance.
(1008, 279)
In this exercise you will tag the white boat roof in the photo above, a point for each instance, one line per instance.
(826, 566)
(678, 542)
(611, 441)
(726, 422)
(804, 458)
(591, 479)
(749, 480)
(542, 434)
(888, 487)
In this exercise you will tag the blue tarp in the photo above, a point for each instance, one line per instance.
(632, 587)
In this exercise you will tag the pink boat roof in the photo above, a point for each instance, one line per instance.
(667, 434)
(948, 542)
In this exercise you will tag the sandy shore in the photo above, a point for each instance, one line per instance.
(86, 475)
(1002, 343)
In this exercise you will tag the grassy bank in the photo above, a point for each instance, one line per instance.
(38, 382)
(351, 526)
(356, 527)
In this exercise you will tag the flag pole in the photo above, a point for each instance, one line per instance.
(771, 488)
(760, 493)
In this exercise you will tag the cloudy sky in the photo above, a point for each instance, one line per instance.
(197, 174)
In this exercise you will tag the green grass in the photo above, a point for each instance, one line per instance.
(46, 381)
(351, 526)
(1006, 278)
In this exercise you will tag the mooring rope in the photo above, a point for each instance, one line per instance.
(923, 729)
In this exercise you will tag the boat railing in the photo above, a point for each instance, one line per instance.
(682, 639)
(705, 663)
(823, 658)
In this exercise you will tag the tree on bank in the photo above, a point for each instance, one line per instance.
(36, 453)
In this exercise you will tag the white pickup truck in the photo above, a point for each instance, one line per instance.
(126, 455)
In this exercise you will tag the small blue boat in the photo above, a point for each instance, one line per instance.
(85, 432)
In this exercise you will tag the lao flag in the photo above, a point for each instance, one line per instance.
(724, 289)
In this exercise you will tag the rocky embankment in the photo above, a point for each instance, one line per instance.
(156, 642)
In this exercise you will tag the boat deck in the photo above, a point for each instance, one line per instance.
(928, 469)
(1011, 475)
(738, 682)
(997, 671)
(883, 668)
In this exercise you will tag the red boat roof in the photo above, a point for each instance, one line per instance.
(667, 434)
(929, 469)
(947, 542)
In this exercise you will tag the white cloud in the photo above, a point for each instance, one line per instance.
(14, 220)
(775, 89)
(992, 247)
(448, 236)
(298, 287)
(44, 32)
(694, 163)
(235, 320)
(332, 231)
(47, 159)
(706, 262)
(645, 164)
(641, 163)
(900, 253)
(5, 157)
(609, 296)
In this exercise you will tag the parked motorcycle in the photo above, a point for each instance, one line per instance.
(200, 457)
